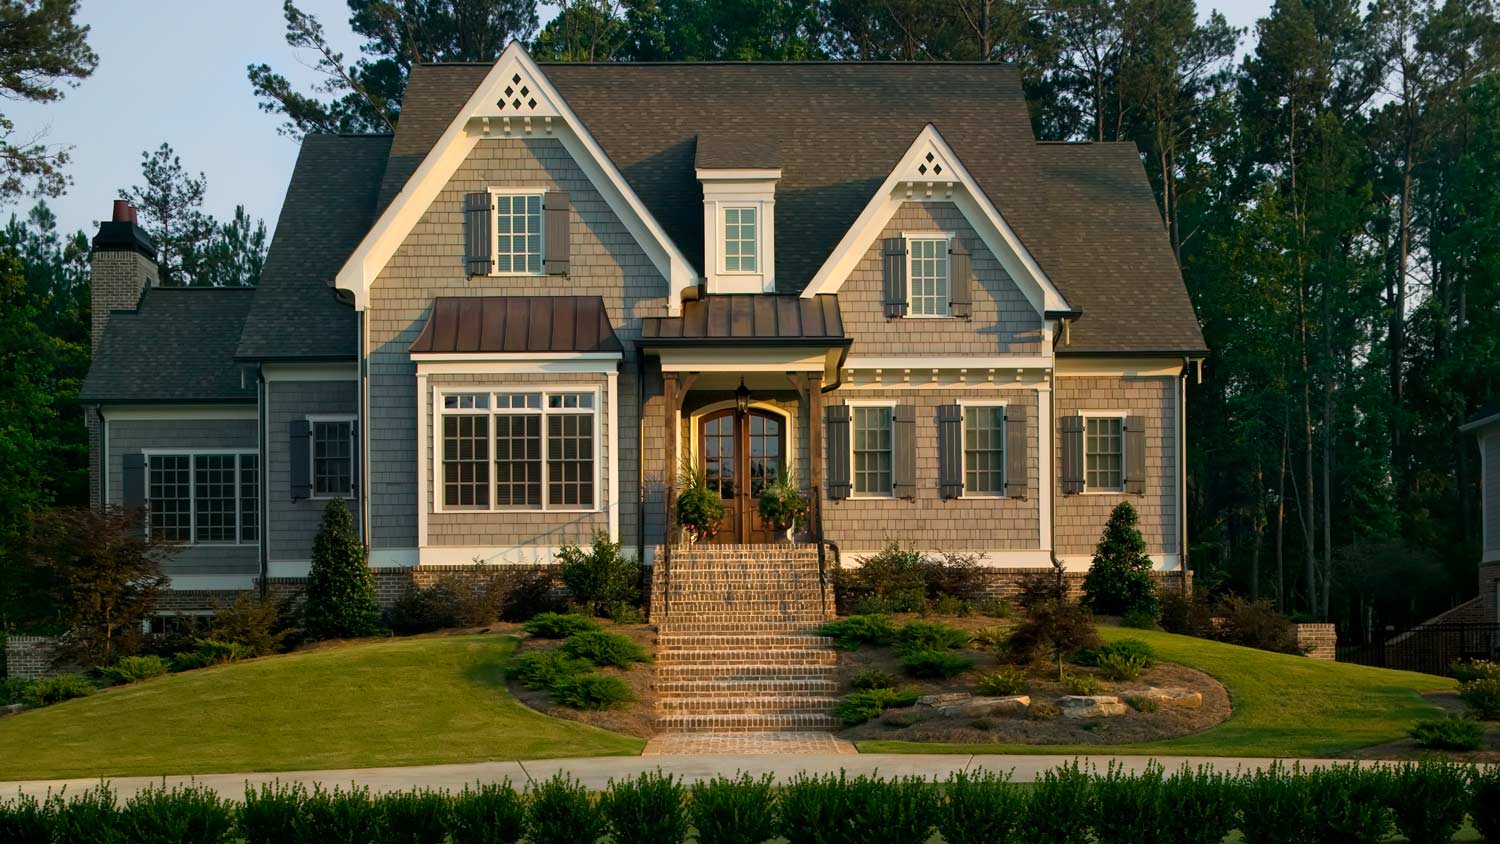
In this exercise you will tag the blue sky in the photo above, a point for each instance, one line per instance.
(174, 71)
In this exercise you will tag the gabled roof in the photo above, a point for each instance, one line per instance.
(329, 205)
(517, 325)
(176, 346)
(1085, 212)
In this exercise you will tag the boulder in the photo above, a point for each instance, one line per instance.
(13, 708)
(1014, 706)
(945, 699)
(1174, 696)
(1091, 706)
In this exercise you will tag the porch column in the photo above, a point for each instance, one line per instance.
(669, 430)
(815, 453)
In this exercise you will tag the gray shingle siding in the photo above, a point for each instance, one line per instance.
(1491, 493)
(293, 524)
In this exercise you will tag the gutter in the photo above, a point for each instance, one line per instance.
(1182, 540)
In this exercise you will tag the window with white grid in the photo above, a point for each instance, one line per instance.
(249, 497)
(927, 276)
(984, 450)
(872, 445)
(518, 233)
(211, 498)
(1104, 453)
(466, 461)
(333, 458)
(539, 447)
(169, 495)
(740, 241)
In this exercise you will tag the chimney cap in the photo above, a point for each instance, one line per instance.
(122, 232)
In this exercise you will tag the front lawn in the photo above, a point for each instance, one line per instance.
(1283, 705)
(414, 701)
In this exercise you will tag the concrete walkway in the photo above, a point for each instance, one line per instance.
(596, 772)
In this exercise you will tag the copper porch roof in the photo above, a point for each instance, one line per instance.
(755, 318)
(517, 325)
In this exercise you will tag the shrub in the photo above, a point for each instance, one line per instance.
(1454, 732)
(856, 630)
(1119, 578)
(487, 813)
(1081, 684)
(1121, 667)
(900, 811)
(645, 810)
(544, 669)
(92, 817)
(336, 816)
(1482, 696)
(622, 613)
(340, 589)
(594, 692)
(899, 577)
(1350, 804)
(188, 814)
(899, 720)
(1465, 671)
(1142, 704)
(1041, 710)
(472, 598)
(1179, 613)
(45, 691)
(873, 678)
(24, 820)
(994, 608)
(927, 636)
(859, 707)
(1254, 624)
(1429, 800)
(982, 724)
(1055, 628)
(1204, 805)
(560, 811)
(1484, 808)
(553, 625)
(209, 652)
(1122, 647)
(813, 810)
(601, 576)
(733, 811)
(935, 664)
(1043, 586)
(1130, 809)
(980, 808)
(251, 621)
(423, 610)
(1060, 805)
(956, 575)
(995, 637)
(269, 813)
(1005, 680)
(133, 669)
(949, 605)
(13, 690)
(412, 817)
(1140, 619)
(602, 648)
(529, 591)
(1277, 807)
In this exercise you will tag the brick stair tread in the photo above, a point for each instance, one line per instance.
(787, 703)
(717, 656)
(734, 687)
(751, 723)
(694, 641)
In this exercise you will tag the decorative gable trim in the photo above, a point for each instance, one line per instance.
(514, 100)
(930, 170)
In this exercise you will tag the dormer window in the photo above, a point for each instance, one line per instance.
(740, 249)
(518, 233)
(739, 220)
(927, 268)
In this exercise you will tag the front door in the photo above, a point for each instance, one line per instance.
(740, 454)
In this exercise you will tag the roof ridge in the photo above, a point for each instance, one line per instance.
(751, 63)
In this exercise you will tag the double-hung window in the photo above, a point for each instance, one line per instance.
(518, 233)
(333, 458)
(520, 450)
(1104, 453)
(208, 498)
(740, 253)
(984, 450)
(873, 444)
(927, 276)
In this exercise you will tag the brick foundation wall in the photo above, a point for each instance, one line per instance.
(1319, 641)
(1005, 583)
(29, 657)
(1489, 592)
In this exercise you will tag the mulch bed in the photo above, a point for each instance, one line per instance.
(635, 719)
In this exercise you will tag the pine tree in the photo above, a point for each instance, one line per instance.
(1119, 579)
(340, 589)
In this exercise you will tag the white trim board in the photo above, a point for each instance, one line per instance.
(491, 113)
(210, 582)
(999, 558)
(955, 184)
(452, 555)
(311, 371)
(177, 412)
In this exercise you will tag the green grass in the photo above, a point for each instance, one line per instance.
(414, 701)
(1283, 705)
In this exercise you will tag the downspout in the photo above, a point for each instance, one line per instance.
(262, 436)
(362, 362)
(1182, 539)
(103, 457)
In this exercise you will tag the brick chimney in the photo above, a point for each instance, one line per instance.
(122, 263)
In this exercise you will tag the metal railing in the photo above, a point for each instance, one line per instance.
(1427, 648)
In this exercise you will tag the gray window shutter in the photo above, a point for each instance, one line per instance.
(894, 272)
(950, 421)
(960, 286)
(1070, 442)
(300, 451)
(1016, 437)
(836, 418)
(904, 443)
(557, 230)
(1135, 455)
(479, 226)
(133, 498)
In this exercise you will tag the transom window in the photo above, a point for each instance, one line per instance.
(518, 233)
(984, 450)
(333, 458)
(927, 276)
(740, 241)
(1104, 453)
(210, 498)
(519, 450)
(872, 444)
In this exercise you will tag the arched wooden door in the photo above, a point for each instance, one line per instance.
(740, 453)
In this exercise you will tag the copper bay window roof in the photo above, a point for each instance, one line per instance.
(517, 325)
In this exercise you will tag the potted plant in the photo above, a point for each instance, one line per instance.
(700, 510)
(783, 507)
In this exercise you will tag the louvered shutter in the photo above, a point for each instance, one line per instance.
(1016, 437)
(557, 229)
(133, 490)
(950, 422)
(479, 227)
(1135, 455)
(837, 421)
(1070, 442)
(299, 449)
(960, 285)
(893, 269)
(904, 443)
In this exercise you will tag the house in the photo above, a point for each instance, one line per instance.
(1485, 426)
(504, 327)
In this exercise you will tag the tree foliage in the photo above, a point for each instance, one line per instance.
(42, 48)
(1119, 579)
(340, 589)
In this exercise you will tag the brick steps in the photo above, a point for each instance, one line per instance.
(766, 703)
(745, 723)
(739, 686)
(720, 641)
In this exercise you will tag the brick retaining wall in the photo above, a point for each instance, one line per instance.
(29, 657)
(1319, 641)
(1005, 583)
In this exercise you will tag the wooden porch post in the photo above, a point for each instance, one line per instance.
(815, 454)
(669, 430)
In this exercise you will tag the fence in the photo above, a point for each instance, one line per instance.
(1428, 648)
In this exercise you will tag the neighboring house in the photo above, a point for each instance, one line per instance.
(503, 328)
(1486, 427)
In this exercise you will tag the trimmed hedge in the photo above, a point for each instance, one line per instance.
(1424, 802)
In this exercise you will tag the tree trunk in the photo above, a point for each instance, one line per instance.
(1286, 444)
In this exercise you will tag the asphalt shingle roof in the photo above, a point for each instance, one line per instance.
(176, 346)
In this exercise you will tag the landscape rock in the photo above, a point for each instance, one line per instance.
(944, 699)
(1174, 696)
(1091, 706)
(1013, 706)
(12, 709)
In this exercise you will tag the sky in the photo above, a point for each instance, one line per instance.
(174, 71)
